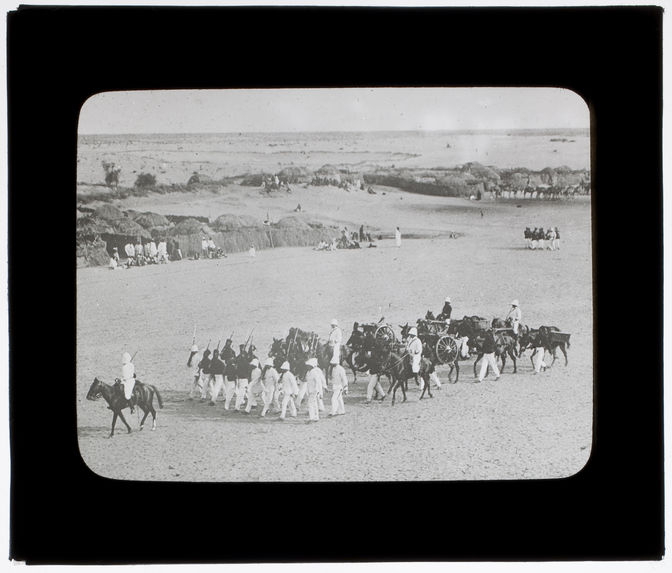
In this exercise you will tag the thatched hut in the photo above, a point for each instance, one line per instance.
(293, 222)
(229, 222)
(109, 212)
(294, 174)
(480, 171)
(191, 226)
(150, 220)
(89, 227)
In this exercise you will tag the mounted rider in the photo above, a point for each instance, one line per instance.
(515, 316)
(414, 349)
(128, 378)
(446, 311)
(335, 341)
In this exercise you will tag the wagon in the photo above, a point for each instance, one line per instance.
(555, 336)
(381, 331)
(442, 347)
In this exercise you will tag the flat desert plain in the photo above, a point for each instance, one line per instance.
(521, 426)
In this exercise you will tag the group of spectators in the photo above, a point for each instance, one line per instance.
(145, 252)
(538, 238)
(347, 240)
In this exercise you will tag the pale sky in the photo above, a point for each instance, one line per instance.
(359, 109)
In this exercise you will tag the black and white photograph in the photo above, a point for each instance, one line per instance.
(334, 284)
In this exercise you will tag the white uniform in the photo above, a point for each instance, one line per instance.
(254, 389)
(339, 382)
(316, 384)
(289, 388)
(335, 341)
(414, 348)
(515, 315)
(127, 379)
(229, 391)
(397, 237)
(196, 384)
(269, 381)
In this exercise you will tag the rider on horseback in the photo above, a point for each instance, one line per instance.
(445, 311)
(128, 379)
(514, 316)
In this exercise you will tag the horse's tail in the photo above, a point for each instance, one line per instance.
(158, 396)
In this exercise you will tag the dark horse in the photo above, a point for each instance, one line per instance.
(395, 362)
(114, 396)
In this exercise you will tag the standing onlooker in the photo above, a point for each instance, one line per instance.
(397, 237)
(252, 252)
(339, 385)
(316, 385)
(288, 387)
(414, 349)
(557, 239)
(537, 343)
(204, 247)
(550, 235)
(488, 356)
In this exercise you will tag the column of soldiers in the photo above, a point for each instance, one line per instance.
(537, 238)
(247, 383)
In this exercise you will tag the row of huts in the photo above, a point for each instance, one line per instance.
(99, 230)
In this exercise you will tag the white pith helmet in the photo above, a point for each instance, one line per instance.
(285, 366)
(255, 362)
(413, 331)
(268, 362)
(514, 302)
(125, 358)
(312, 362)
(334, 322)
(447, 299)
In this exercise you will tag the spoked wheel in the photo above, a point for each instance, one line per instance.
(385, 332)
(446, 349)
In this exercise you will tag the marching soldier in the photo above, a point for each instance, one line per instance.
(335, 341)
(269, 380)
(255, 388)
(204, 366)
(195, 385)
(414, 349)
(243, 375)
(288, 387)
(217, 372)
(339, 385)
(316, 383)
(488, 356)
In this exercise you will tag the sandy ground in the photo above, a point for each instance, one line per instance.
(522, 426)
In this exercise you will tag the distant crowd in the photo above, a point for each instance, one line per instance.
(347, 240)
(538, 238)
(145, 252)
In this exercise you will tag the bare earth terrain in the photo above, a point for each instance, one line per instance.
(522, 426)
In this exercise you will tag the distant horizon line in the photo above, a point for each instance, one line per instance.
(462, 130)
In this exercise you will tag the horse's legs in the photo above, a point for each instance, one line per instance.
(114, 422)
(146, 411)
(429, 390)
(512, 354)
(393, 388)
(564, 351)
(121, 415)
